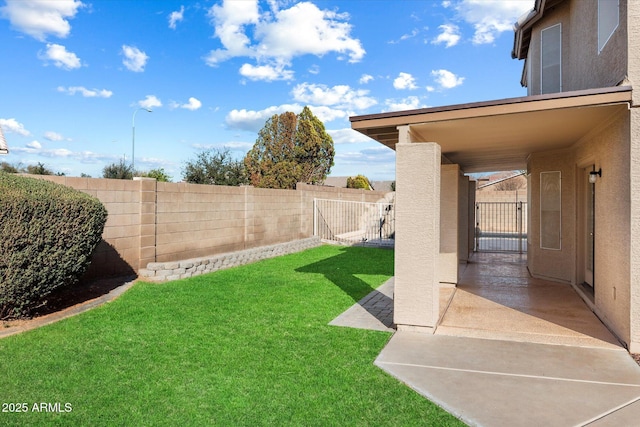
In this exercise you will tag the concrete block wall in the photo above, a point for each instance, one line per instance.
(502, 196)
(152, 222)
(174, 270)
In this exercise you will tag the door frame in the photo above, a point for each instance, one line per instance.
(585, 196)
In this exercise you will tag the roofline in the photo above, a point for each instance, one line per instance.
(524, 23)
(501, 180)
(495, 103)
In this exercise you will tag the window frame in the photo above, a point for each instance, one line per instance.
(601, 18)
(542, 61)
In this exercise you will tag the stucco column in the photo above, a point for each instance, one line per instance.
(634, 256)
(450, 223)
(633, 58)
(417, 247)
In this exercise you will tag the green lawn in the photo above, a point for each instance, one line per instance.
(244, 346)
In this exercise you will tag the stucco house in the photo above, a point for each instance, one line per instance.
(576, 133)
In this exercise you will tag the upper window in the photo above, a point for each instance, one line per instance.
(551, 59)
(608, 20)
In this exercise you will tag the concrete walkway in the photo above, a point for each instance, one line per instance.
(514, 351)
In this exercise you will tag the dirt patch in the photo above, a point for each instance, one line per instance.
(69, 298)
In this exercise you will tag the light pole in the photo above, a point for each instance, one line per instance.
(133, 135)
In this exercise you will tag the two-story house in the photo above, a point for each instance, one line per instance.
(576, 133)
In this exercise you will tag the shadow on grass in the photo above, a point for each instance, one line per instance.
(343, 269)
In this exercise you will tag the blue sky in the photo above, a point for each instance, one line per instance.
(76, 72)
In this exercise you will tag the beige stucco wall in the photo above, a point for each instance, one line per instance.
(550, 263)
(417, 246)
(607, 147)
(633, 53)
(583, 67)
(450, 227)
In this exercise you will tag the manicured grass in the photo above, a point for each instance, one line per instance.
(244, 346)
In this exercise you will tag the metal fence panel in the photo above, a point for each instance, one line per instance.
(501, 227)
(352, 223)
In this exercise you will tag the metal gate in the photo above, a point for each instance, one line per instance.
(348, 222)
(501, 227)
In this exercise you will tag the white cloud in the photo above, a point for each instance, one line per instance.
(13, 126)
(60, 57)
(53, 136)
(366, 157)
(134, 59)
(406, 36)
(348, 136)
(34, 145)
(408, 103)
(151, 101)
(279, 35)
(446, 79)
(450, 35)
(193, 104)
(490, 18)
(404, 81)
(339, 96)
(266, 72)
(87, 93)
(229, 21)
(175, 17)
(327, 114)
(365, 78)
(253, 121)
(39, 18)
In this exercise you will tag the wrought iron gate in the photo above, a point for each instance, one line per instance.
(352, 223)
(501, 227)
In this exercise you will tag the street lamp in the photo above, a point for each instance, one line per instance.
(133, 135)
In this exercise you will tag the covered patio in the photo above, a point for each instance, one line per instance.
(436, 149)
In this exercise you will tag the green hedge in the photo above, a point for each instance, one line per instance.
(48, 233)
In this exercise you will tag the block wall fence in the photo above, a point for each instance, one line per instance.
(152, 221)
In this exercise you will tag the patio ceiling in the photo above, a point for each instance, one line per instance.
(500, 135)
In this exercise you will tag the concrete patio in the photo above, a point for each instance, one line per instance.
(511, 350)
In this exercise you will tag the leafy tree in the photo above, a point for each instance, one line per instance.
(120, 170)
(8, 168)
(159, 174)
(359, 181)
(215, 167)
(38, 169)
(290, 149)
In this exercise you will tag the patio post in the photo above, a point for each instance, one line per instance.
(417, 244)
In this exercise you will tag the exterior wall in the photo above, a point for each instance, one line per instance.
(633, 52)
(634, 250)
(549, 263)
(607, 147)
(417, 247)
(463, 219)
(450, 229)
(583, 67)
(153, 221)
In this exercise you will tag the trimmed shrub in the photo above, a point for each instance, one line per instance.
(48, 233)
